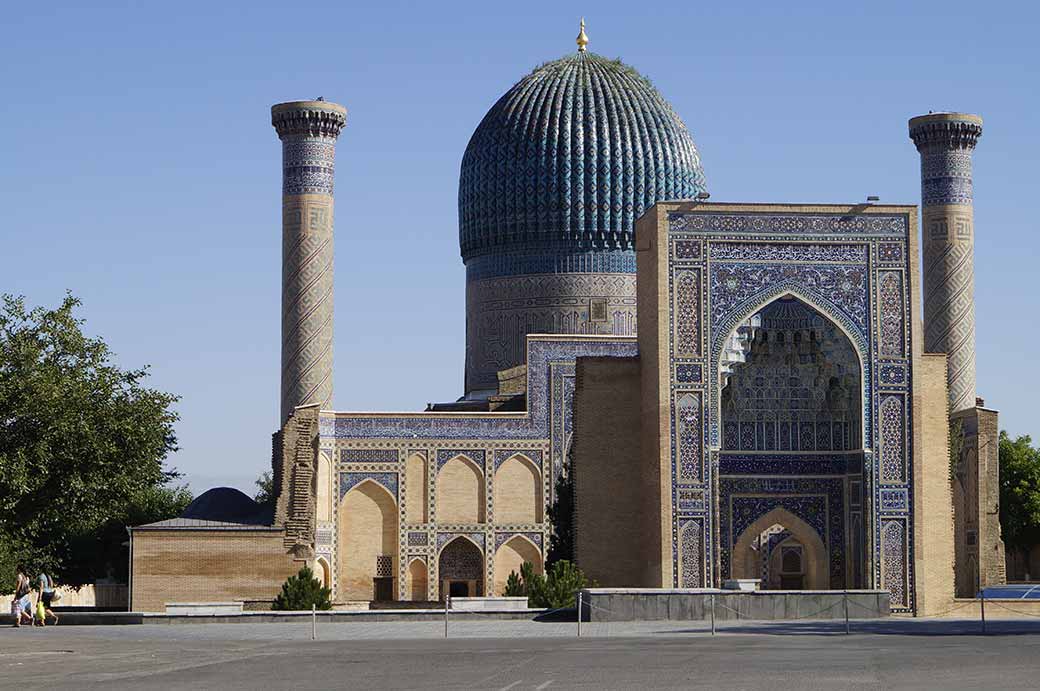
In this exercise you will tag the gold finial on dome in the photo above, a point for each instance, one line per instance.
(582, 39)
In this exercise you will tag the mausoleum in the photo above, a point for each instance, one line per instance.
(780, 407)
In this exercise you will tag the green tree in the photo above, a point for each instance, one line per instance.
(561, 518)
(82, 444)
(265, 489)
(1019, 491)
(301, 591)
(556, 589)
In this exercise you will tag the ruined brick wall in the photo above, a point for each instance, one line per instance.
(294, 464)
(207, 566)
(976, 493)
(614, 519)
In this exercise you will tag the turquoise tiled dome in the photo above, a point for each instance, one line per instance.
(569, 157)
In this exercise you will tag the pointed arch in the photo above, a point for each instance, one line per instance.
(745, 561)
(461, 564)
(367, 529)
(518, 492)
(418, 580)
(760, 301)
(460, 492)
(323, 571)
(323, 487)
(511, 556)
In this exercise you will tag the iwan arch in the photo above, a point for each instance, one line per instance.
(780, 410)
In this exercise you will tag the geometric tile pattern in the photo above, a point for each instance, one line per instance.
(690, 548)
(308, 131)
(569, 157)
(831, 262)
(501, 312)
(348, 481)
(946, 144)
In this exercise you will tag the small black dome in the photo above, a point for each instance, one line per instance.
(225, 504)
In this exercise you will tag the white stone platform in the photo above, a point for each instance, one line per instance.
(489, 604)
(203, 609)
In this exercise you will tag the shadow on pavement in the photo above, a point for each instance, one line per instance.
(891, 627)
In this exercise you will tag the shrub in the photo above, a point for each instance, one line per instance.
(514, 586)
(555, 590)
(302, 591)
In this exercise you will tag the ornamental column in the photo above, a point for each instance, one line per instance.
(945, 142)
(308, 130)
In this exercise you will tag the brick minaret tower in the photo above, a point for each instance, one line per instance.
(945, 142)
(308, 130)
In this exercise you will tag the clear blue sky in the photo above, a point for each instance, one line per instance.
(140, 170)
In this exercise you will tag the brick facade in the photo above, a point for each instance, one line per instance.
(207, 566)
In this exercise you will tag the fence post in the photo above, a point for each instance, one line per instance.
(447, 605)
(579, 613)
(314, 622)
(982, 595)
(846, 611)
(713, 614)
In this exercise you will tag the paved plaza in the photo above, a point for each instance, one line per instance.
(914, 654)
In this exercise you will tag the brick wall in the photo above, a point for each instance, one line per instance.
(612, 485)
(933, 501)
(207, 566)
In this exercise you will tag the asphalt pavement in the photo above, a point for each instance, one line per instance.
(890, 654)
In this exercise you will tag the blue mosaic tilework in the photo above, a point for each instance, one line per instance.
(946, 178)
(684, 250)
(546, 166)
(308, 165)
(817, 501)
(793, 464)
(794, 224)
(690, 499)
(842, 287)
(368, 456)
(893, 374)
(688, 374)
(503, 455)
(503, 538)
(541, 262)
(890, 252)
(534, 425)
(788, 252)
(347, 481)
(417, 539)
(475, 455)
(445, 538)
(895, 500)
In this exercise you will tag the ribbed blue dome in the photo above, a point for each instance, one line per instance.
(570, 157)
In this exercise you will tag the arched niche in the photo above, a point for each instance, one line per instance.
(323, 488)
(460, 492)
(518, 492)
(367, 545)
(511, 556)
(322, 572)
(460, 568)
(747, 555)
(417, 580)
(792, 382)
(740, 321)
(416, 508)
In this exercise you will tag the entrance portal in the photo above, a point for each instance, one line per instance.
(461, 569)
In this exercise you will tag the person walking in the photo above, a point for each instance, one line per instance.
(22, 605)
(47, 597)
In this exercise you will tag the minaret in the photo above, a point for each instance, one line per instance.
(308, 130)
(945, 142)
